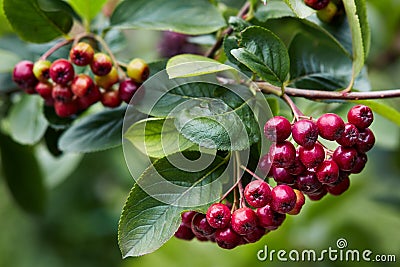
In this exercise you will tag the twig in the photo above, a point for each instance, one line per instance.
(251, 173)
(55, 48)
(296, 111)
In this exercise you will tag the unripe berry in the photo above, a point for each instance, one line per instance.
(81, 54)
(330, 126)
(268, 218)
(345, 158)
(311, 158)
(23, 75)
(41, 70)
(244, 221)
(65, 109)
(138, 70)
(218, 215)
(127, 89)
(257, 193)
(107, 80)
(111, 99)
(305, 133)
(62, 71)
(283, 154)
(277, 129)
(283, 198)
(101, 64)
(361, 116)
(300, 200)
(82, 85)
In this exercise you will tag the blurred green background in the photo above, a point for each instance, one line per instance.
(79, 227)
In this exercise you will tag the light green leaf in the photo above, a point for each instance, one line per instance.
(185, 16)
(299, 8)
(188, 65)
(27, 122)
(382, 109)
(87, 9)
(157, 138)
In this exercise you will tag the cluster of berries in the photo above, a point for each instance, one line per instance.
(312, 168)
(70, 92)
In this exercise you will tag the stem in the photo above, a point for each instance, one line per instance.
(251, 173)
(55, 48)
(238, 177)
(296, 111)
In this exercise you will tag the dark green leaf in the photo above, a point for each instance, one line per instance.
(23, 175)
(238, 24)
(230, 43)
(274, 9)
(299, 8)
(183, 16)
(42, 27)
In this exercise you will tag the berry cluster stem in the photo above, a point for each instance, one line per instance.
(55, 48)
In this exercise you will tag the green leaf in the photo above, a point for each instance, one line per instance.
(27, 122)
(34, 24)
(23, 176)
(8, 60)
(274, 9)
(230, 43)
(312, 67)
(157, 138)
(382, 109)
(100, 131)
(299, 8)
(185, 16)
(152, 213)
(264, 53)
(87, 9)
(188, 65)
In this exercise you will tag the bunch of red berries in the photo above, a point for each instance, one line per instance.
(70, 92)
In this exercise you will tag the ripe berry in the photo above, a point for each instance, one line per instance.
(349, 136)
(92, 96)
(62, 93)
(244, 221)
(268, 218)
(184, 233)
(305, 133)
(107, 80)
(200, 226)
(256, 235)
(300, 200)
(330, 126)
(277, 129)
(282, 176)
(313, 157)
(62, 71)
(138, 70)
(65, 109)
(44, 89)
(297, 167)
(283, 198)
(365, 141)
(317, 4)
(328, 172)
(81, 54)
(339, 188)
(317, 195)
(81, 85)
(218, 215)
(361, 160)
(345, 157)
(41, 70)
(283, 154)
(187, 217)
(265, 164)
(257, 193)
(23, 75)
(127, 89)
(227, 238)
(111, 99)
(101, 64)
(308, 183)
(361, 116)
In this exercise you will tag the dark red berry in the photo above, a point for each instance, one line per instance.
(277, 129)
(44, 89)
(244, 221)
(218, 215)
(339, 188)
(62, 93)
(312, 158)
(200, 226)
(184, 233)
(127, 89)
(283, 154)
(330, 126)
(317, 4)
(62, 71)
(365, 141)
(317, 195)
(101, 64)
(328, 172)
(23, 75)
(269, 219)
(349, 136)
(187, 217)
(283, 198)
(297, 167)
(361, 160)
(345, 157)
(256, 235)
(308, 182)
(65, 109)
(92, 96)
(227, 238)
(361, 116)
(265, 164)
(111, 99)
(81, 54)
(305, 133)
(82, 84)
(300, 200)
(257, 193)
(282, 176)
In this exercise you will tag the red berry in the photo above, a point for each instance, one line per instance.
(62, 71)
(81, 54)
(184, 233)
(300, 200)
(283, 154)
(283, 198)
(244, 221)
(200, 226)
(361, 160)
(330, 126)
(227, 238)
(187, 217)
(127, 89)
(282, 176)
(361, 116)
(44, 89)
(317, 4)
(256, 235)
(319, 194)
(111, 99)
(345, 158)
(257, 193)
(218, 215)
(328, 172)
(349, 136)
(339, 188)
(92, 96)
(62, 93)
(308, 182)
(108, 80)
(269, 219)
(313, 157)
(101, 64)
(23, 75)
(65, 109)
(365, 141)
(305, 133)
(297, 167)
(277, 129)
(82, 84)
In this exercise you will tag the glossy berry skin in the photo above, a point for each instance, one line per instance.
(318, 195)
(227, 238)
(127, 89)
(256, 235)
(65, 109)
(305, 133)
(300, 200)
(244, 221)
(349, 136)
(339, 188)
(313, 157)
(317, 4)
(81, 54)
(297, 167)
(200, 226)
(283, 154)
(138, 70)
(345, 158)
(277, 129)
(101, 64)
(184, 233)
(359, 165)
(282, 176)
(41, 70)
(218, 215)
(81, 85)
(308, 182)
(44, 89)
(23, 75)
(283, 198)
(62, 93)
(62, 71)
(330, 126)
(328, 172)
(257, 193)
(265, 165)
(111, 99)
(361, 116)
(92, 96)
(187, 217)
(107, 80)
(268, 218)
(365, 141)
